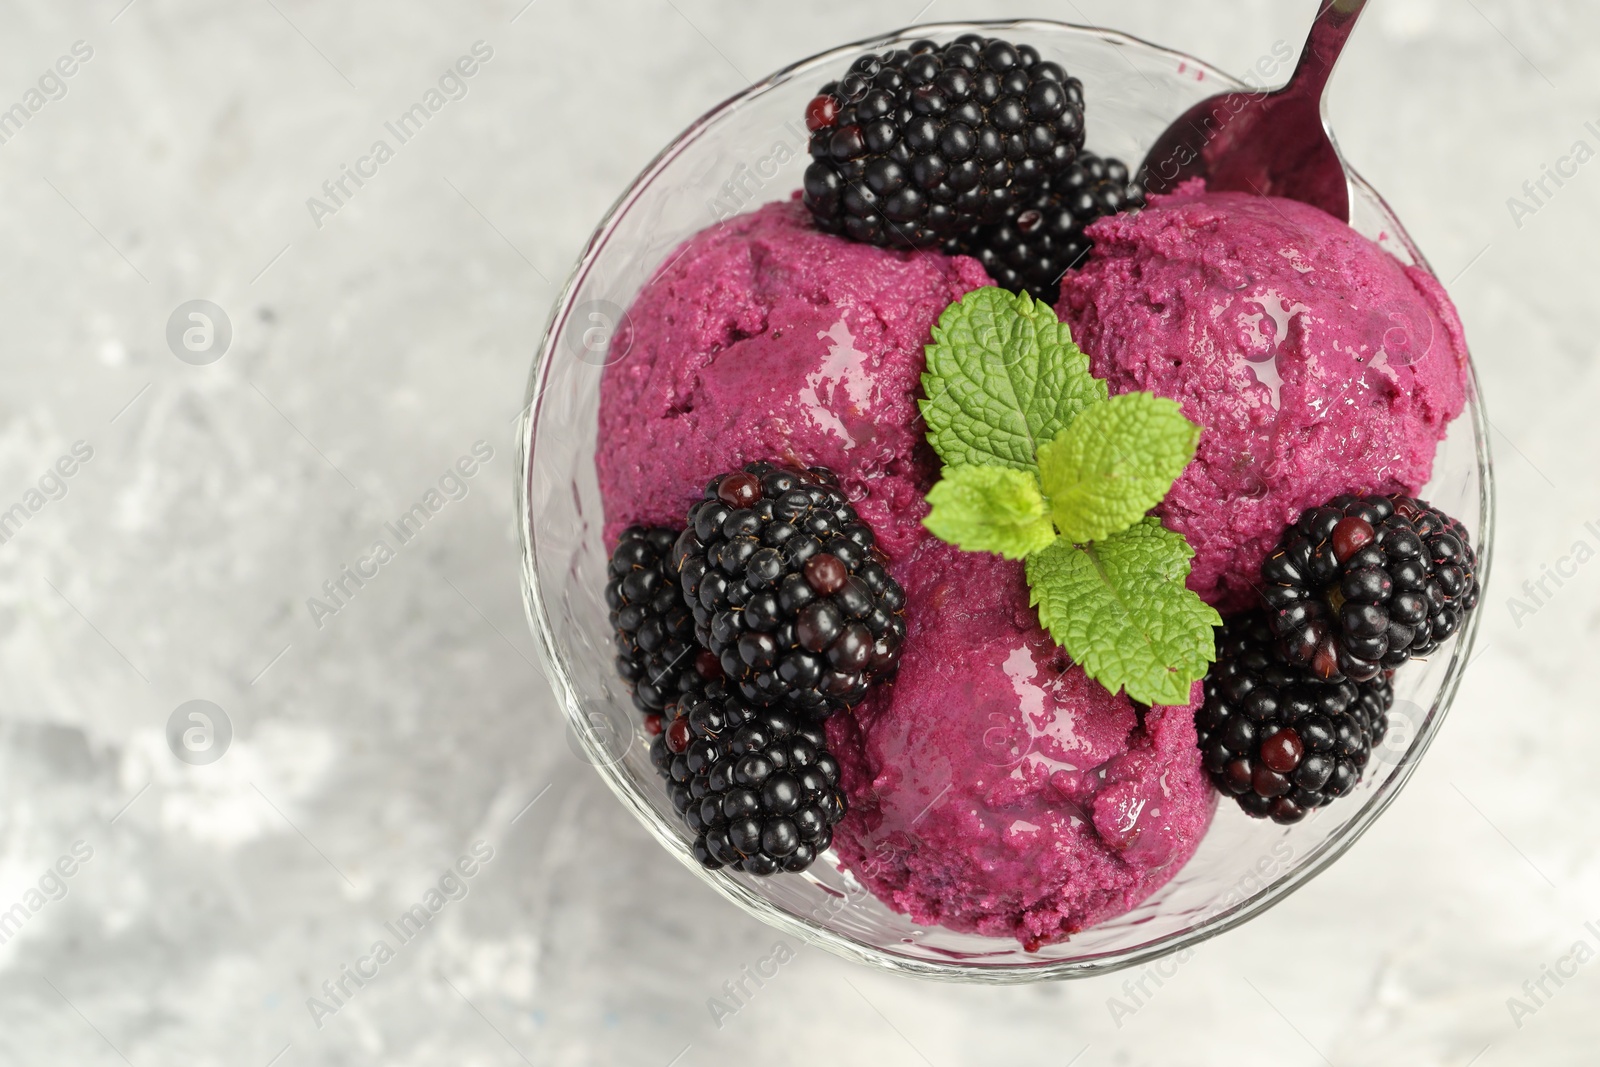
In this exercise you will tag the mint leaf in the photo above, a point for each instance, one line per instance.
(1114, 463)
(1120, 608)
(1003, 377)
(1015, 414)
(990, 509)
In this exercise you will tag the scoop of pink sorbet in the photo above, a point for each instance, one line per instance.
(763, 339)
(1317, 363)
(995, 788)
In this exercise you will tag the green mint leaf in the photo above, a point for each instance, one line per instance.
(1120, 608)
(1003, 377)
(990, 509)
(1114, 463)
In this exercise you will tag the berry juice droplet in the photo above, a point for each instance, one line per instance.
(1350, 536)
(821, 112)
(1282, 751)
(826, 573)
(739, 490)
(678, 735)
(707, 665)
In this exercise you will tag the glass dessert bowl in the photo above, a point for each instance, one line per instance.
(751, 150)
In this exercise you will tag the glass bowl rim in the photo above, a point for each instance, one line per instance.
(808, 929)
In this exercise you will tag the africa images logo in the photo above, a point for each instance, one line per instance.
(452, 885)
(452, 486)
(342, 187)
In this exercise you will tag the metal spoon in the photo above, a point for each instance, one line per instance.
(1270, 142)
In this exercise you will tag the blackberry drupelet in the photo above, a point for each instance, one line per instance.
(758, 786)
(1363, 584)
(1276, 738)
(925, 142)
(1043, 238)
(789, 590)
(660, 727)
(657, 654)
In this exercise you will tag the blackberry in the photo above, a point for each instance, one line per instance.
(758, 786)
(657, 654)
(1043, 237)
(1275, 737)
(1363, 584)
(661, 752)
(925, 142)
(788, 589)
(659, 727)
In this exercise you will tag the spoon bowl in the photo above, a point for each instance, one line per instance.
(1271, 143)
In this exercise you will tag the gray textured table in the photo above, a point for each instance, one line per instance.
(380, 339)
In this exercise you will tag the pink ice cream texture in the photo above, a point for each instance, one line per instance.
(1316, 363)
(995, 788)
(764, 339)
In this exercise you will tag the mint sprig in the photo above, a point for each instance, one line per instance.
(1120, 607)
(1042, 464)
(990, 509)
(1003, 377)
(1114, 463)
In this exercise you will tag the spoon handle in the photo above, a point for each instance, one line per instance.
(1329, 32)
